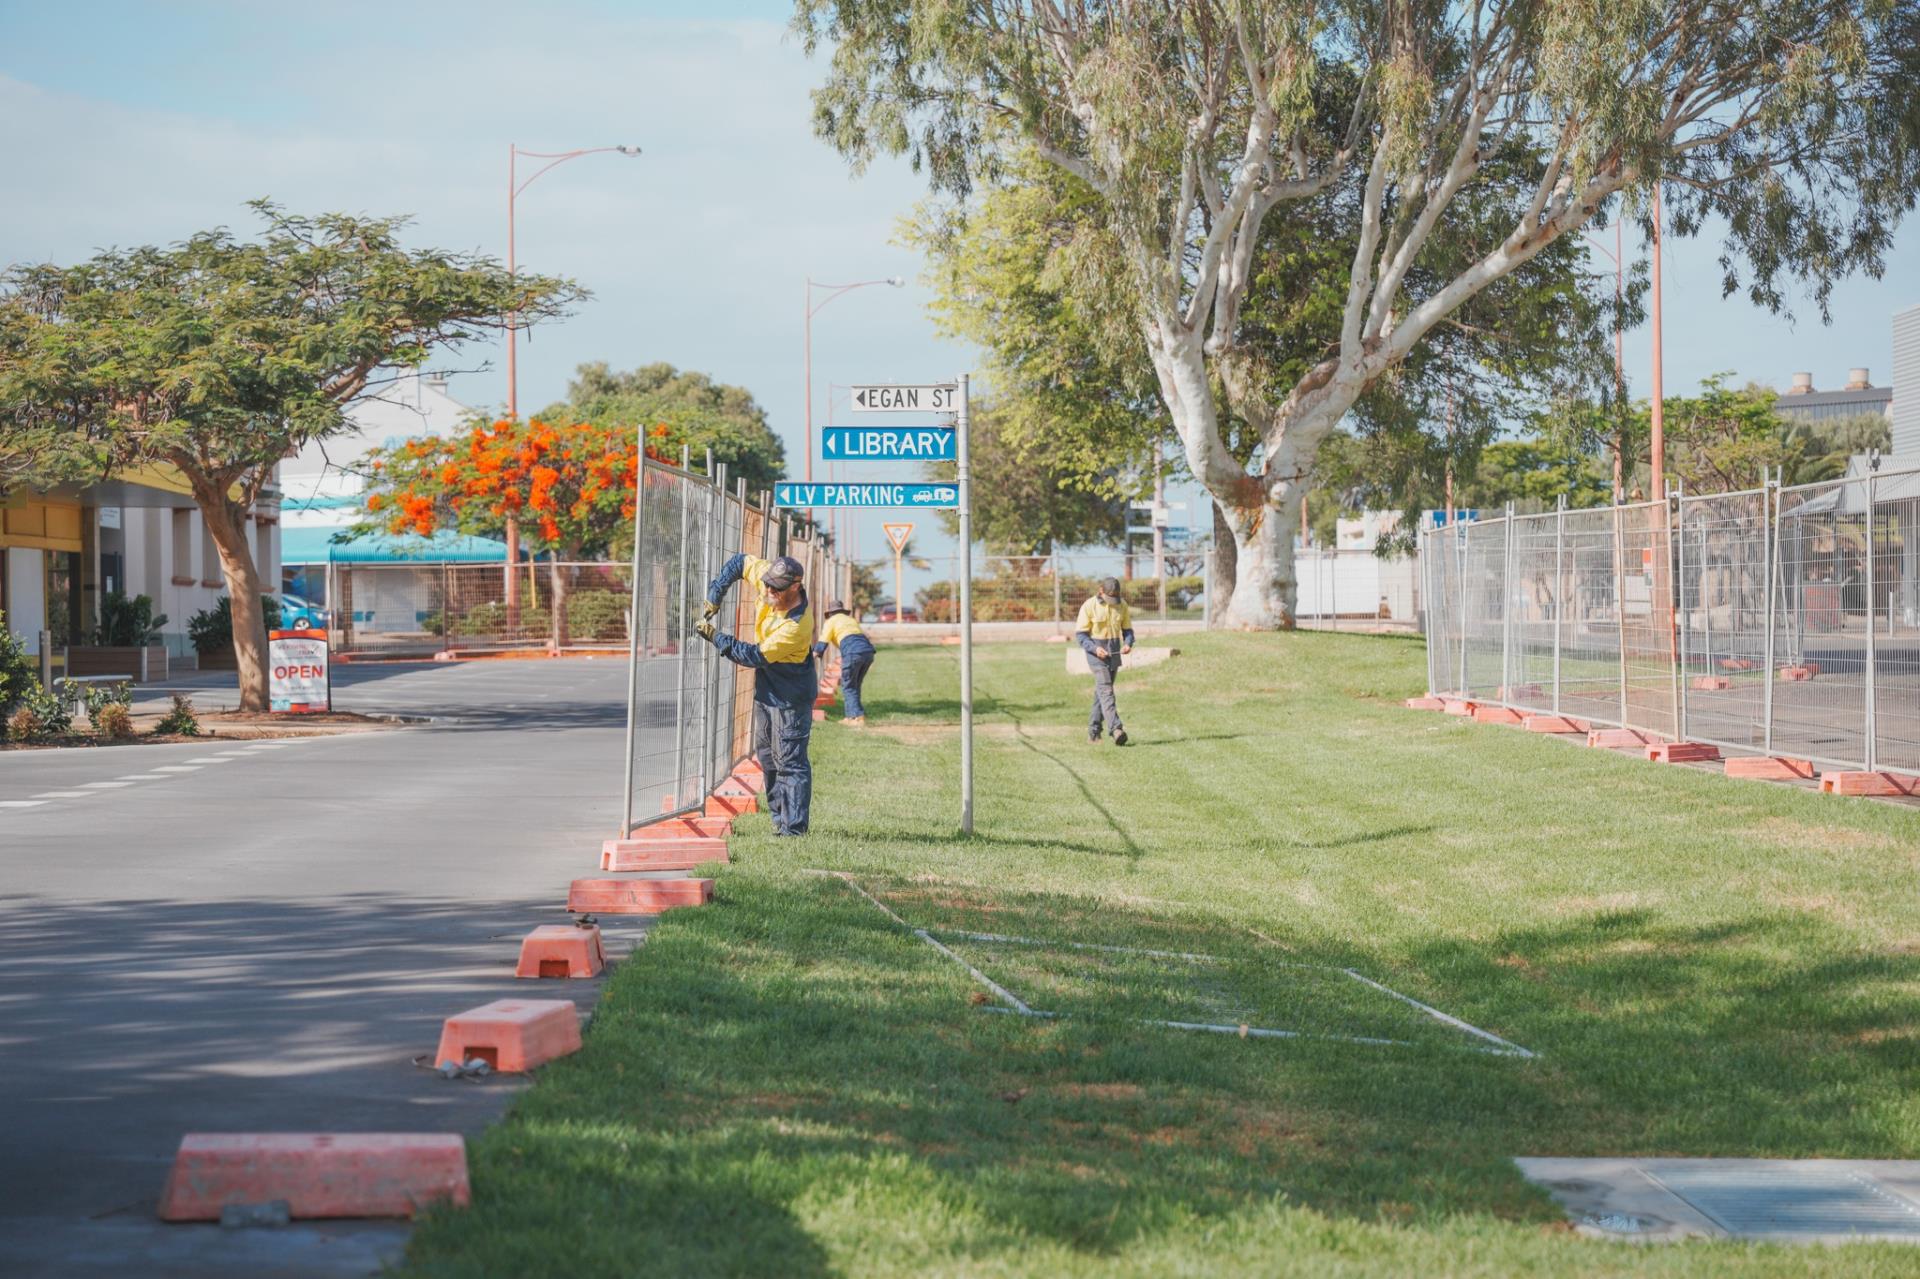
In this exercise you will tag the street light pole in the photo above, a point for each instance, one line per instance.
(514, 188)
(1657, 445)
(811, 309)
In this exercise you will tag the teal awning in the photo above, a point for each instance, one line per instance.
(316, 546)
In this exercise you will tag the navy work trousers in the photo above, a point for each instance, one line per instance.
(852, 671)
(780, 737)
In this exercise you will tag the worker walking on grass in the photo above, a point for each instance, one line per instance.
(1105, 632)
(785, 680)
(840, 629)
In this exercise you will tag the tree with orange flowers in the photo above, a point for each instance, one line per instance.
(570, 485)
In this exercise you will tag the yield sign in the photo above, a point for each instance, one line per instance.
(898, 535)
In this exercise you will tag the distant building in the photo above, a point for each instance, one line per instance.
(1803, 402)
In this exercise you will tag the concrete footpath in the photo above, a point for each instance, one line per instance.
(221, 936)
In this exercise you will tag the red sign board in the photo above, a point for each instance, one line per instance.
(299, 677)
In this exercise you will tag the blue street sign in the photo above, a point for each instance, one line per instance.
(934, 496)
(888, 443)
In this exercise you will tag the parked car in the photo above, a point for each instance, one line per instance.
(888, 612)
(301, 614)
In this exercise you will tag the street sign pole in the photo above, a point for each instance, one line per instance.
(966, 615)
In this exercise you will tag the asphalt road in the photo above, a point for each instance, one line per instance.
(222, 936)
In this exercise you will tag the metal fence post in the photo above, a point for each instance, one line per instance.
(685, 490)
(1770, 505)
(1620, 597)
(709, 699)
(1679, 604)
(1056, 586)
(1872, 724)
(446, 606)
(634, 628)
(1460, 586)
(1506, 609)
(1559, 589)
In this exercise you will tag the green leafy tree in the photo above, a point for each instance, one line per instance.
(1820, 450)
(695, 410)
(1456, 144)
(1025, 500)
(220, 357)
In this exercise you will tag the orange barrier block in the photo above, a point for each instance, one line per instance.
(819, 715)
(636, 896)
(511, 1034)
(734, 788)
(1861, 783)
(1682, 752)
(1457, 705)
(1710, 683)
(349, 1174)
(561, 950)
(1424, 704)
(1555, 724)
(1799, 674)
(731, 805)
(756, 782)
(1496, 715)
(750, 767)
(685, 828)
(1768, 768)
(1737, 664)
(1615, 738)
(661, 854)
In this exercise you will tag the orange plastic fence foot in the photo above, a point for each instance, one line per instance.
(1424, 704)
(511, 1034)
(1710, 683)
(819, 715)
(1497, 715)
(731, 805)
(1799, 674)
(1770, 768)
(1682, 752)
(1864, 783)
(1615, 738)
(1556, 724)
(1457, 705)
(1737, 664)
(349, 1174)
(636, 896)
(561, 950)
(755, 783)
(685, 828)
(661, 854)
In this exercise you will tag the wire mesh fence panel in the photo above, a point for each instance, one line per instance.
(1820, 624)
(395, 608)
(1590, 626)
(1442, 603)
(1483, 586)
(1533, 598)
(666, 607)
(1648, 639)
(1724, 562)
(1895, 616)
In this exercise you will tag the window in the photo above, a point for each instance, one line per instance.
(182, 548)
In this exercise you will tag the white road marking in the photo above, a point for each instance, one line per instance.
(104, 785)
(210, 759)
(61, 794)
(21, 803)
(177, 768)
(140, 777)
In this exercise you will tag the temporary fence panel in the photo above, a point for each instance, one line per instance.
(1776, 620)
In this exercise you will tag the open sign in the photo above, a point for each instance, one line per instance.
(298, 681)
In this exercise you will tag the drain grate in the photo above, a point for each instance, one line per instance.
(1791, 1202)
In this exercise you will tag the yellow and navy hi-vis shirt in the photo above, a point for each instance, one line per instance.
(782, 651)
(1102, 622)
(844, 633)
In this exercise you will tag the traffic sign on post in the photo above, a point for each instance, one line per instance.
(888, 443)
(941, 398)
(897, 535)
(924, 496)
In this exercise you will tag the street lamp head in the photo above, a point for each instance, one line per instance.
(628, 150)
(898, 282)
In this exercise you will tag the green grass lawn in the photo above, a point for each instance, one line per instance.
(788, 1082)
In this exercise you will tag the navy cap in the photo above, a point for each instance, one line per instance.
(1110, 586)
(783, 572)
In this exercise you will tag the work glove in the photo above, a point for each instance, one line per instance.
(712, 611)
(705, 630)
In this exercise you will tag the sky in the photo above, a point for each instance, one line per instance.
(127, 122)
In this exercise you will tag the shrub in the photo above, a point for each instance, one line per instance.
(23, 725)
(17, 672)
(112, 722)
(597, 615)
(181, 720)
(128, 623)
(40, 714)
(211, 629)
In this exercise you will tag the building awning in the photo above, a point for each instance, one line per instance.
(316, 546)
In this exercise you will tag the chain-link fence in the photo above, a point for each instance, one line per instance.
(416, 609)
(1779, 620)
(690, 719)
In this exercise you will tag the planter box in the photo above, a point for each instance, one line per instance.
(221, 659)
(142, 665)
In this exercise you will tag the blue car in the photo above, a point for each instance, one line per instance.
(298, 614)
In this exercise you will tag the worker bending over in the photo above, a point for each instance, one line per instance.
(840, 629)
(1105, 631)
(785, 680)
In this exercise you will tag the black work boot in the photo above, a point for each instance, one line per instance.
(1119, 737)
